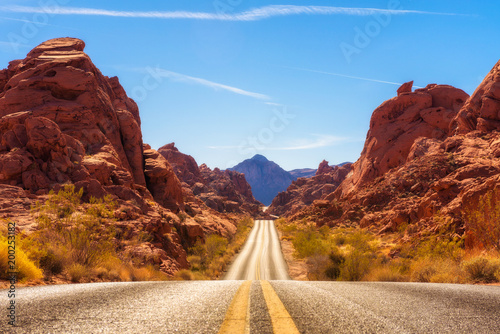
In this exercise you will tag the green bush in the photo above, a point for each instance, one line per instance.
(355, 266)
(308, 243)
(335, 267)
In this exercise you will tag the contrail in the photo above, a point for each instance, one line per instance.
(174, 76)
(348, 76)
(255, 14)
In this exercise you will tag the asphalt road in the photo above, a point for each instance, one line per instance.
(255, 306)
(261, 257)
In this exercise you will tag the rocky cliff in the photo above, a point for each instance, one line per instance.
(306, 191)
(429, 159)
(222, 191)
(63, 122)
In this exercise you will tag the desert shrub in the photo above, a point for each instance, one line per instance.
(27, 269)
(482, 270)
(385, 274)
(337, 260)
(441, 247)
(423, 270)
(355, 266)
(52, 263)
(185, 275)
(76, 272)
(70, 231)
(317, 266)
(215, 246)
(308, 243)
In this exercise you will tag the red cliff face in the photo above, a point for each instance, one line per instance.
(223, 191)
(397, 123)
(428, 158)
(63, 122)
(69, 120)
(307, 191)
(481, 112)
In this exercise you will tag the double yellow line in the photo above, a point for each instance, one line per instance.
(237, 316)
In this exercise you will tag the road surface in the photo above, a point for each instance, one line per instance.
(261, 257)
(255, 306)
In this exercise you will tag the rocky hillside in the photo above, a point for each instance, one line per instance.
(222, 191)
(63, 122)
(306, 191)
(430, 161)
(265, 177)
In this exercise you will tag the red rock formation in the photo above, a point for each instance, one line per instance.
(420, 169)
(405, 88)
(62, 121)
(162, 181)
(397, 123)
(222, 191)
(305, 191)
(185, 167)
(481, 112)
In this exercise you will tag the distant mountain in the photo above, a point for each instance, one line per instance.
(265, 177)
(304, 172)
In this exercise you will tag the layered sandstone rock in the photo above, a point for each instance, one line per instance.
(428, 159)
(306, 191)
(481, 112)
(63, 122)
(397, 123)
(223, 191)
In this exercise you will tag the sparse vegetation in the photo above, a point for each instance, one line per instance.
(75, 241)
(350, 254)
(210, 258)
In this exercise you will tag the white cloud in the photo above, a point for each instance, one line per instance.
(174, 76)
(250, 15)
(318, 142)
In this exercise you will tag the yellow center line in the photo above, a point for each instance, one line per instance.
(260, 255)
(280, 318)
(236, 319)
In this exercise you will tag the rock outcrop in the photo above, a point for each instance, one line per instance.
(306, 191)
(63, 122)
(481, 112)
(429, 158)
(223, 191)
(397, 123)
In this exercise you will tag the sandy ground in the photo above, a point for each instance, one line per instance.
(297, 268)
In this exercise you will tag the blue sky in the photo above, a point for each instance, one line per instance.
(296, 81)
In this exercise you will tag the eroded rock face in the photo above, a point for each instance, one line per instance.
(482, 110)
(397, 123)
(162, 181)
(223, 191)
(63, 122)
(306, 191)
(428, 158)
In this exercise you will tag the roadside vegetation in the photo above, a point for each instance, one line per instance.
(74, 241)
(349, 254)
(210, 258)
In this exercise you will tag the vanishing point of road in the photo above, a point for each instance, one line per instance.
(258, 297)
